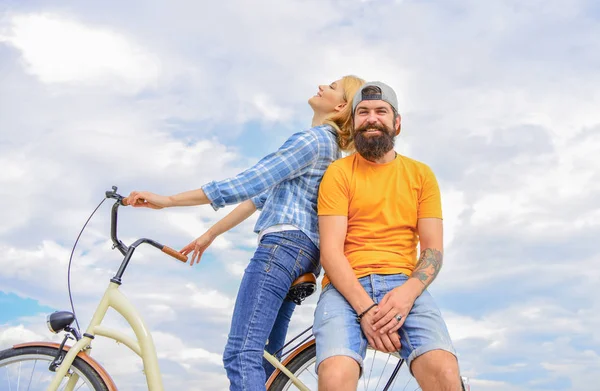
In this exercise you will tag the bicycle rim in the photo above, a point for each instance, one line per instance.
(29, 371)
(378, 369)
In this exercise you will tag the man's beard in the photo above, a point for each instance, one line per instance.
(375, 146)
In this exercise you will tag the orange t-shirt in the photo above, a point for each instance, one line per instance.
(382, 203)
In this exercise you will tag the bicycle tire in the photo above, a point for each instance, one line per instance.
(297, 363)
(22, 355)
(306, 358)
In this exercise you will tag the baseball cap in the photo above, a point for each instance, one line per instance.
(387, 94)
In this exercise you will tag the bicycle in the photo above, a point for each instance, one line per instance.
(71, 367)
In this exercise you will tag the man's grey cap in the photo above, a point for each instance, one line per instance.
(387, 95)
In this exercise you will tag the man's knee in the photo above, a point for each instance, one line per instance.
(338, 373)
(439, 365)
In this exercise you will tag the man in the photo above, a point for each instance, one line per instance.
(374, 207)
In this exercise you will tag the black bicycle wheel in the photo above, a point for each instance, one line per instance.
(28, 367)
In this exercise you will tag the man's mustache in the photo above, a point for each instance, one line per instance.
(379, 127)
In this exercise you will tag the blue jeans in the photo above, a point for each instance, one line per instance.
(261, 315)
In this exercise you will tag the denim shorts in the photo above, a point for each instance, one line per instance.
(338, 333)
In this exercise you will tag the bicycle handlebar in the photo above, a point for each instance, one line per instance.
(128, 251)
(174, 253)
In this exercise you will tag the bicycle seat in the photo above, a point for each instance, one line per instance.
(302, 287)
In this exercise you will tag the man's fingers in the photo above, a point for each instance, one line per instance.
(395, 339)
(385, 319)
(392, 327)
(382, 311)
(388, 326)
(379, 345)
(389, 346)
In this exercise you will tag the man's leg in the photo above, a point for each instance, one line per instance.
(338, 373)
(426, 344)
(437, 370)
(341, 345)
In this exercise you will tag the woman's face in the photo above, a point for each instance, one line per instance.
(328, 99)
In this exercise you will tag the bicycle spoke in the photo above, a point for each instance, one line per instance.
(31, 377)
(79, 386)
(371, 370)
(394, 382)
(65, 385)
(382, 371)
(19, 375)
(8, 380)
(407, 383)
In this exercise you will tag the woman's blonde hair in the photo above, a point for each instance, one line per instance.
(341, 121)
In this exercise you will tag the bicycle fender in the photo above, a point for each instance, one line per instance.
(82, 355)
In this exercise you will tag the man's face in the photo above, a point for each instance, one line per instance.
(374, 128)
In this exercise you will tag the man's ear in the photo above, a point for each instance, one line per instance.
(398, 124)
(340, 107)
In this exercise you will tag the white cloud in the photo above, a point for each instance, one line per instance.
(61, 50)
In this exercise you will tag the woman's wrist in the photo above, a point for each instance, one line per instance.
(213, 232)
(170, 201)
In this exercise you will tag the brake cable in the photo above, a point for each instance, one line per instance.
(71, 259)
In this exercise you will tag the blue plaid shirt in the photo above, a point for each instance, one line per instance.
(283, 184)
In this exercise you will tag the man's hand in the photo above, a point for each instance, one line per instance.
(197, 247)
(387, 343)
(145, 199)
(396, 304)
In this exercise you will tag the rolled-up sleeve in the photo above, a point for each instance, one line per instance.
(291, 160)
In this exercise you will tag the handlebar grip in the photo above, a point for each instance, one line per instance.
(174, 253)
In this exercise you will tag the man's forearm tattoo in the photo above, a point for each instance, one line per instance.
(428, 267)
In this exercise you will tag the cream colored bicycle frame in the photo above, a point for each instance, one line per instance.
(143, 347)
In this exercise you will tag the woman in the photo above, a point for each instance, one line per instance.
(284, 185)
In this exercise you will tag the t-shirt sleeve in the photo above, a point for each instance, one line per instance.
(333, 193)
(430, 200)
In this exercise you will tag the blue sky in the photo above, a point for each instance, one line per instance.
(500, 98)
(14, 307)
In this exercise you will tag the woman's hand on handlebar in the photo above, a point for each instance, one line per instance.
(197, 247)
(145, 199)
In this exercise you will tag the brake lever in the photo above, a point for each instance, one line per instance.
(114, 195)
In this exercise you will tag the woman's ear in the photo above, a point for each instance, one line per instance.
(340, 107)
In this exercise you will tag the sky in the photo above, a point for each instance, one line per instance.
(500, 98)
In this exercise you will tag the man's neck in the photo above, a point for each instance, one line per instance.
(388, 157)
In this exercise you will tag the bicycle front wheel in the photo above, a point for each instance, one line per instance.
(27, 368)
(378, 373)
